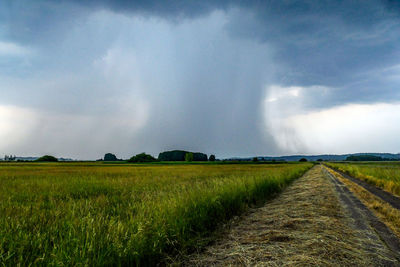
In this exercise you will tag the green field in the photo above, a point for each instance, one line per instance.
(99, 214)
(385, 175)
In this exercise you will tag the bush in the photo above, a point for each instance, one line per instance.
(255, 159)
(211, 158)
(303, 160)
(142, 157)
(47, 158)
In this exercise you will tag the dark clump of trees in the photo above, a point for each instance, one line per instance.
(303, 160)
(180, 155)
(110, 157)
(364, 158)
(142, 157)
(255, 159)
(47, 158)
(211, 158)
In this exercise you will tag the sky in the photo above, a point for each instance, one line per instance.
(232, 78)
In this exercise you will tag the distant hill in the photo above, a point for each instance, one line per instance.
(327, 157)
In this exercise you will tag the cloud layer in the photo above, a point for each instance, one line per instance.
(230, 78)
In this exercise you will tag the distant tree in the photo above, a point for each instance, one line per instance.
(211, 158)
(142, 157)
(303, 160)
(320, 160)
(110, 157)
(255, 159)
(189, 157)
(47, 158)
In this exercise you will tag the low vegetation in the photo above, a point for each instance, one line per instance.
(103, 214)
(385, 175)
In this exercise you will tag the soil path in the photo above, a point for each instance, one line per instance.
(308, 224)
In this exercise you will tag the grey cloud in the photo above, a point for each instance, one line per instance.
(327, 43)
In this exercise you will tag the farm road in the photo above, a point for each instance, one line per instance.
(315, 221)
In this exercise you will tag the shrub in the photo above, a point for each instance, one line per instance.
(212, 158)
(303, 160)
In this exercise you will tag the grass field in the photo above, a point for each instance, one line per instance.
(385, 175)
(99, 214)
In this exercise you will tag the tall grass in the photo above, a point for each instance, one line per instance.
(93, 214)
(383, 175)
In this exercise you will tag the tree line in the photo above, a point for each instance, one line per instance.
(174, 155)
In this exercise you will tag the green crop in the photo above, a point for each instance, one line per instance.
(102, 214)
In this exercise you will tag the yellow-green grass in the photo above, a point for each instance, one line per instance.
(101, 214)
(385, 175)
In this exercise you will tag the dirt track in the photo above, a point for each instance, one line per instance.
(315, 221)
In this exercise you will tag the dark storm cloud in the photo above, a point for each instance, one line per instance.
(330, 43)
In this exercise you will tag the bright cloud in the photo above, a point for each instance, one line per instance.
(344, 129)
(12, 49)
